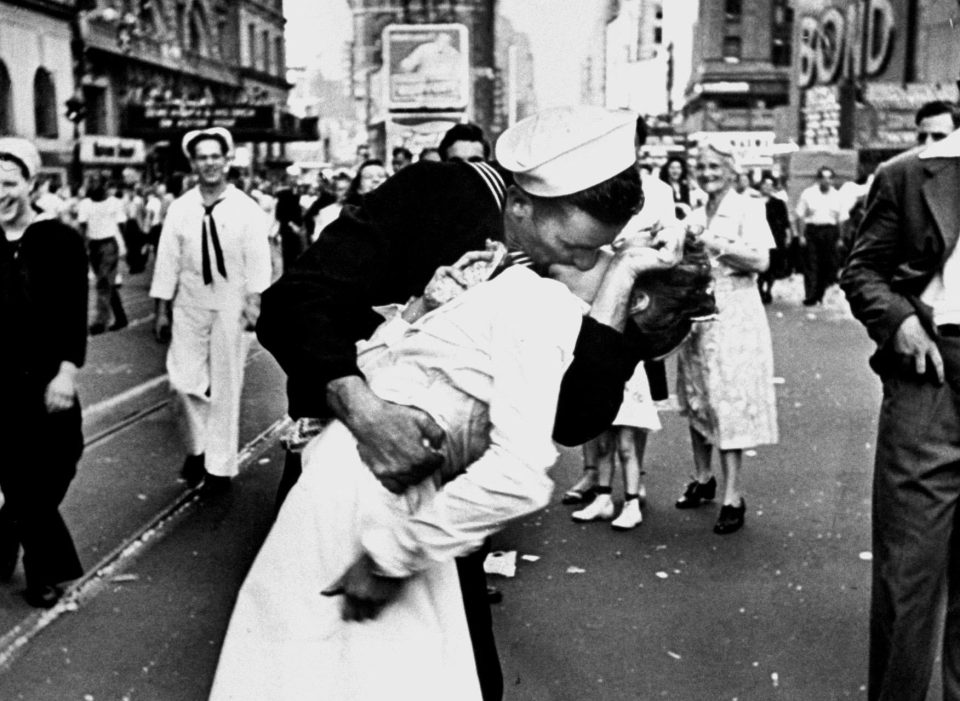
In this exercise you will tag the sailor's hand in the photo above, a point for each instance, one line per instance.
(400, 444)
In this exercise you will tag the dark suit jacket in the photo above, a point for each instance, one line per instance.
(909, 229)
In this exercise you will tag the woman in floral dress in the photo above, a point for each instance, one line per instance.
(725, 368)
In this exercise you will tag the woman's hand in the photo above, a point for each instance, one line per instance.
(365, 592)
(449, 281)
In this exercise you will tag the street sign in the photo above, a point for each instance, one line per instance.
(111, 150)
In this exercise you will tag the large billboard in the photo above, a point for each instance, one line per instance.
(428, 66)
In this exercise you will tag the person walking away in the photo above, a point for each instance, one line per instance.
(819, 212)
(725, 369)
(213, 261)
(133, 233)
(43, 309)
(100, 219)
(778, 219)
(902, 280)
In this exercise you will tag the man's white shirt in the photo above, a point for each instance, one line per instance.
(242, 228)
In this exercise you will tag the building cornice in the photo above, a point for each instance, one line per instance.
(60, 9)
(274, 81)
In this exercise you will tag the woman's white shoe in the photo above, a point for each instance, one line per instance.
(600, 509)
(630, 516)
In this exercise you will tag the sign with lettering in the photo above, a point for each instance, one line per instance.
(428, 66)
(160, 120)
(111, 150)
(850, 38)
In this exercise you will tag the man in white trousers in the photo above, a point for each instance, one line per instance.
(213, 261)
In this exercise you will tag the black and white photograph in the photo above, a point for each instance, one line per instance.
(480, 350)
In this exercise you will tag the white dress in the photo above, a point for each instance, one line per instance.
(637, 409)
(487, 366)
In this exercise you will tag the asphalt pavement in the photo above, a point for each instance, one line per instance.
(666, 611)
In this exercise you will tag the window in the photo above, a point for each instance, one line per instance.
(781, 43)
(95, 98)
(733, 9)
(194, 35)
(45, 104)
(252, 45)
(278, 51)
(732, 47)
(6, 101)
(266, 50)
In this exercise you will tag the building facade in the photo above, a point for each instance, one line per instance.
(36, 76)
(637, 57)
(741, 73)
(863, 67)
(384, 74)
(139, 74)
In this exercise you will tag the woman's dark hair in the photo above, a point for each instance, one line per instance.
(665, 170)
(353, 193)
(614, 201)
(678, 296)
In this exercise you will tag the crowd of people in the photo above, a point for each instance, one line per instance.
(428, 385)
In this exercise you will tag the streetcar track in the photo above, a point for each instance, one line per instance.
(141, 414)
(14, 641)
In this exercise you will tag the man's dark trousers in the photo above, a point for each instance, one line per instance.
(473, 588)
(916, 534)
(819, 260)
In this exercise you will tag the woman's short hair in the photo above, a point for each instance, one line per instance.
(614, 201)
(678, 296)
(728, 156)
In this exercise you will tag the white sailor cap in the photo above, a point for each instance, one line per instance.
(568, 149)
(22, 152)
(218, 133)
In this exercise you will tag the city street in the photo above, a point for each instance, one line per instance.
(669, 610)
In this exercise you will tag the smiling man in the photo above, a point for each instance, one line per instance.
(213, 261)
(43, 313)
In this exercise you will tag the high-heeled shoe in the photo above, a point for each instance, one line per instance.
(731, 518)
(584, 490)
(600, 509)
(696, 493)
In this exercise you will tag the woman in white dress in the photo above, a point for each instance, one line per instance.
(725, 369)
(487, 367)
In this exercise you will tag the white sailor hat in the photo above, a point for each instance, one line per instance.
(218, 133)
(23, 152)
(568, 149)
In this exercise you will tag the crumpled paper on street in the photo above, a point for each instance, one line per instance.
(501, 562)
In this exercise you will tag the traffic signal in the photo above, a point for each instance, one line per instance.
(76, 110)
